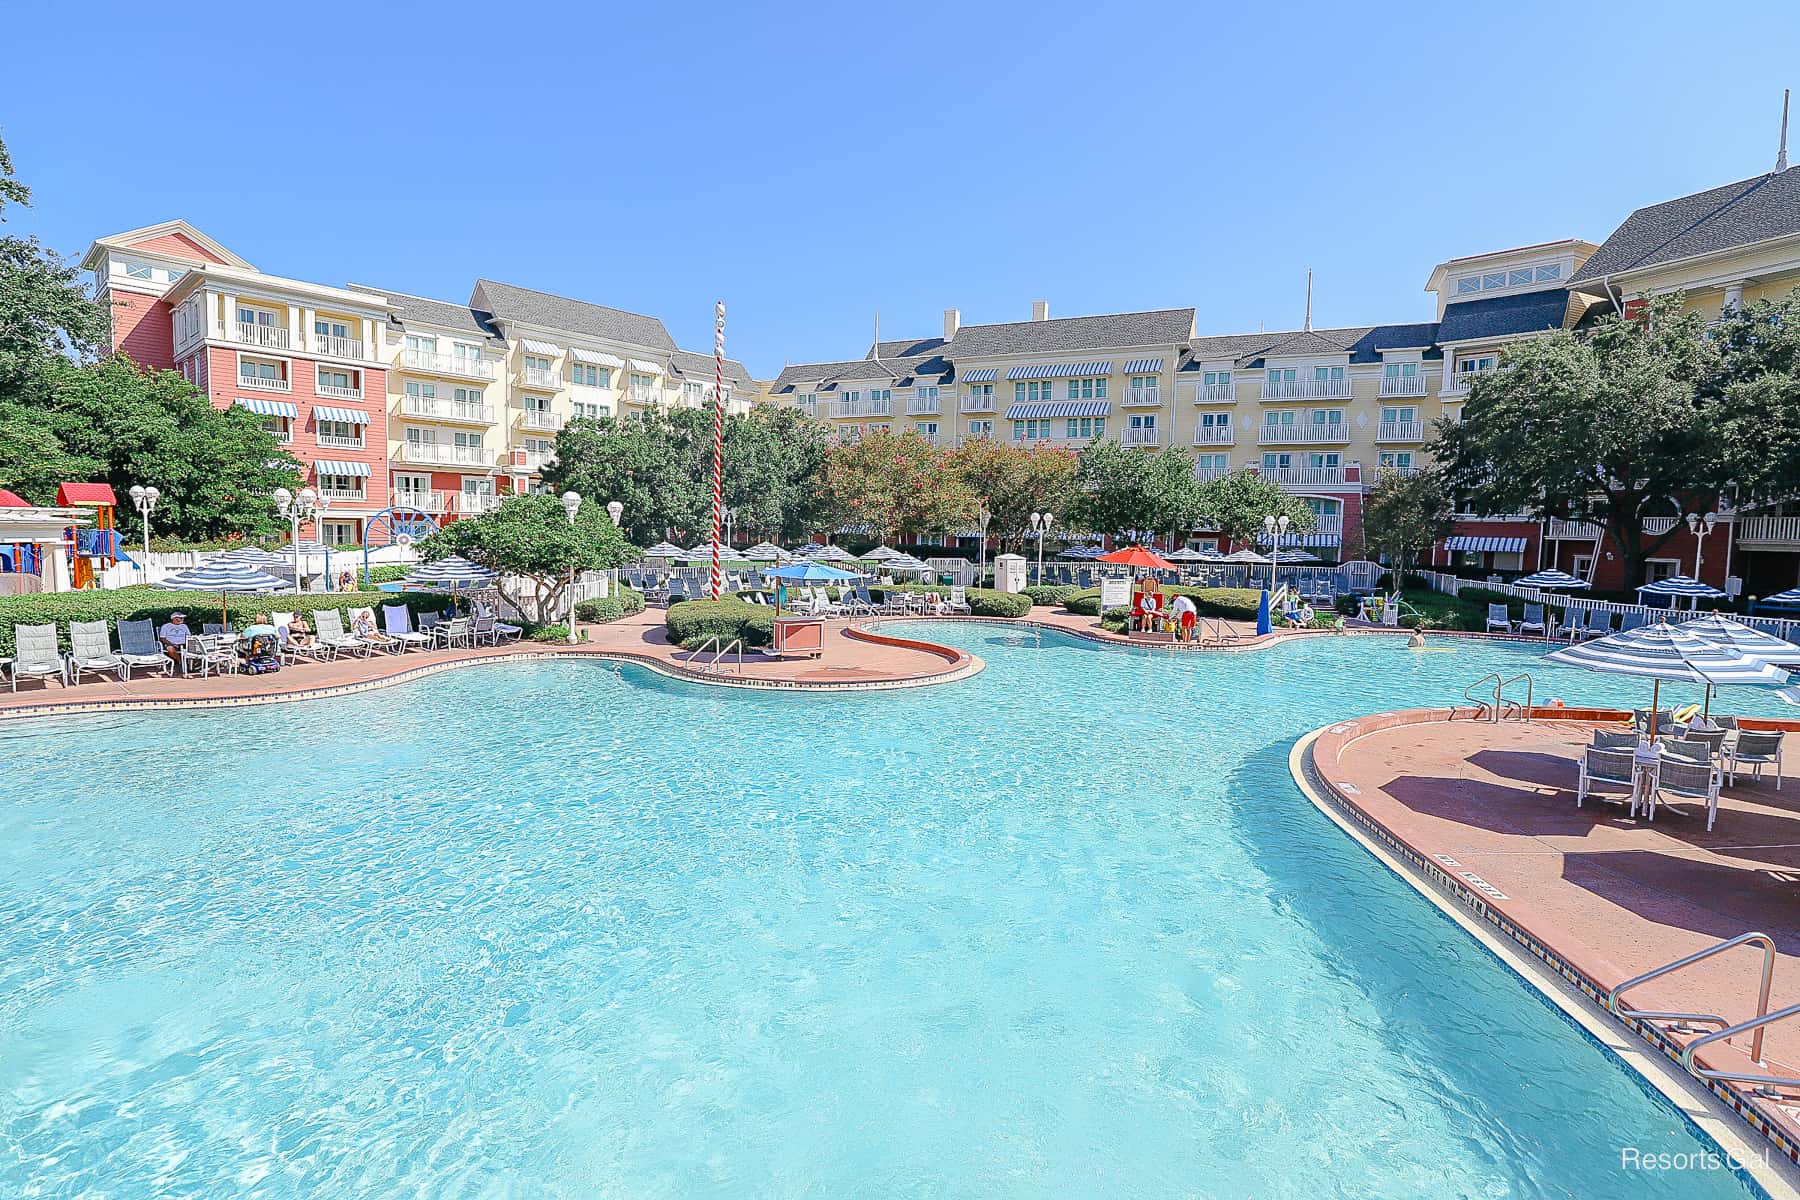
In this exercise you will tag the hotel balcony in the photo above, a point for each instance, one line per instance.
(1306, 389)
(353, 495)
(1769, 531)
(1397, 469)
(924, 406)
(1303, 477)
(1212, 393)
(1215, 435)
(439, 408)
(529, 460)
(863, 408)
(340, 393)
(336, 347)
(1402, 385)
(644, 396)
(1141, 398)
(247, 333)
(331, 441)
(447, 364)
(539, 379)
(535, 421)
(430, 502)
(1141, 437)
(1208, 474)
(260, 384)
(1326, 523)
(1458, 384)
(977, 404)
(440, 454)
(1400, 431)
(473, 504)
(1334, 434)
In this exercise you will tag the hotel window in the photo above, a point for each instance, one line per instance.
(342, 487)
(592, 411)
(330, 329)
(982, 392)
(1279, 417)
(341, 431)
(342, 380)
(279, 426)
(1218, 379)
(261, 372)
(1281, 375)
(537, 404)
(1142, 383)
(466, 395)
(1393, 373)
(1277, 462)
(472, 441)
(1328, 416)
(981, 429)
(1087, 389)
(694, 393)
(1036, 390)
(641, 385)
(138, 270)
(1402, 459)
(1086, 427)
(1218, 420)
(339, 533)
(1395, 415)
(1331, 375)
(1212, 462)
(926, 430)
(424, 348)
(1031, 430)
(1468, 368)
(881, 395)
(926, 392)
(588, 375)
(1144, 426)
(537, 362)
(465, 353)
(1322, 460)
(256, 316)
(423, 392)
(415, 487)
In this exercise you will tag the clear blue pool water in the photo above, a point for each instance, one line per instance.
(570, 930)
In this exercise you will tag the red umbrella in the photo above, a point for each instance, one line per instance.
(1137, 556)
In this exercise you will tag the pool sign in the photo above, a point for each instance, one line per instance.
(1115, 592)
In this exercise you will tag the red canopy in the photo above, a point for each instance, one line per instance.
(1137, 556)
(86, 493)
(12, 500)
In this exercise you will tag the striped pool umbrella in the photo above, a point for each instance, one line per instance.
(1550, 580)
(1664, 651)
(1679, 586)
(882, 554)
(1791, 596)
(1747, 640)
(1186, 554)
(221, 575)
(253, 556)
(665, 550)
(766, 552)
(833, 554)
(453, 572)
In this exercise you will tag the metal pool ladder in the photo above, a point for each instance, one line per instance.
(720, 649)
(1497, 705)
(1684, 1022)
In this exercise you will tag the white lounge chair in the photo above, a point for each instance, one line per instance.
(91, 652)
(314, 651)
(959, 600)
(501, 630)
(398, 620)
(140, 649)
(1612, 770)
(332, 636)
(36, 655)
(1756, 749)
(1498, 617)
(1687, 780)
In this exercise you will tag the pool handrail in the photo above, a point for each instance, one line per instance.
(1615, 1006)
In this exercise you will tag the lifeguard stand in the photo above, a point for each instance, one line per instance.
(96, 544)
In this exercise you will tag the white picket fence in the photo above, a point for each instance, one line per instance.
(1788, 629)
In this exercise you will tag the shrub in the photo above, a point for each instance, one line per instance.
(983, 602)
(1347, 603)
(391, 573)
(557, 632)
(692, 622)
(1051, 593)
(1239, 604)
(139, 603)
(622, 603)
(1115, 619)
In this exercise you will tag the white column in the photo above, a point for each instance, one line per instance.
(368, 341)
(1734, 296)
(56, 567)
(228, 318)
(299, 321)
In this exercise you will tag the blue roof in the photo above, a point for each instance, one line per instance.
(1499, 316)
(1368, 347)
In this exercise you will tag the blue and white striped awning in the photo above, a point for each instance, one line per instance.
(350, 416)
(222, 574)
(1058, 408)
(1680, 585)
(598, 357)
(268, 408)
(1486, 545)
(1059, 370)
(1663, 651)
(981, 375)
(1311, 541)
(342, 470)
(1143, 366)
(537, 347)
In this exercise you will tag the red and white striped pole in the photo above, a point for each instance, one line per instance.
(718, 570)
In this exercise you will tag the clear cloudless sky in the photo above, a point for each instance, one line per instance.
(813, 164)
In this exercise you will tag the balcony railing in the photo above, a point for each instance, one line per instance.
(1403, 469)
(473, 504)
(335, 441)
(283, 435)
(340, 393)
(1458, 384)
(440, 408)
(531, 460)
(924, 406)
(1304, 476)
(1770, 531)
(1207, 474)
(337, 347)
(540, 422)
(250, 334)
(1214, 393)
(1400, 431)
(1306, 389)
(440, 454)
(639, 395)
(863, 408)
(1215, 435)
(1142, 398)
(1141, 437)
(1310, 434)
(977, 404)
(1328, 523)
(258, 383)
(431, 502)
(1402, 385)
(448, 364)
(538, 377)
(342, 493)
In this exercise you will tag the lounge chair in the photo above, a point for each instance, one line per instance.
(959, 600)
(208, 652)
(483, 628)
(91, 651)
(1599, 624)
(501, 630)
(398, 620)
(291, 652)
(1756, 749)
(1534, 620)
(1632, 620)
(1687, 780)
(1498, 617)
(140, 649)
(332, 636)
(36, 655)
(1609, 769)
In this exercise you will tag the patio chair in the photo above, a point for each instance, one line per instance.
(1534, 620)
(454, 632)
(292, 652)
(428, 623)
(1612, 770)
(959, 601)
(1687, 749)
(1633, 620)
(1599, 624)
(397, 620)
(483, 627)
(36, 655)
(331, 635)
(209, 653)
(1687, 780)
(1612, 739)
(1498, 617)
(91, 651)
(140, 649)
(1665, 721)
(1714, 739)
(1756, 749)
(501, 630)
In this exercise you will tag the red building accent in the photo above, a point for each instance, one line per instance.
(141, 330)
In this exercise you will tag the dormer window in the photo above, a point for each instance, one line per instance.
(1493, 281)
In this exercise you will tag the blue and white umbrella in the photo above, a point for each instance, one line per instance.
(453, 572)
(882, 554)
(811, 572)
(1791, 596)
(766, 552)
(1550, 580)
(831, 554)
(665, 550)
(1747, 640)
(253, 556)
(226, 577)
(1664, 651)
(1678, 586)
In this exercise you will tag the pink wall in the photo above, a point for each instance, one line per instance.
(142, 330)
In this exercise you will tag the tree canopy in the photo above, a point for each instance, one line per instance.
(1752, 399)
(896, 483)
(1124, 491)
(1236, 504)
(1014, 481)
(531, 537)
(1404, 514)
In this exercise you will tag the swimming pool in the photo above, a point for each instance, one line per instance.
(567, 929)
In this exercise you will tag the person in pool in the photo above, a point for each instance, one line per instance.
(1416, 641)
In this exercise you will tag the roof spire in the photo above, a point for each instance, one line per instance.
(1308, 325)
(877, 351)
(1781, 161)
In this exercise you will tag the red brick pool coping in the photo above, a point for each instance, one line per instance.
(1479, 813)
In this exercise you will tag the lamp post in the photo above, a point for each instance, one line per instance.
(616, 511)
(571, 502)
(144, 500)
(1700, 526)
(1040, 525)
(296, 509)
(1275, 527)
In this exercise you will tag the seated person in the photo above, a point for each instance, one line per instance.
(298, 633)
(174, 635)
(362, 624)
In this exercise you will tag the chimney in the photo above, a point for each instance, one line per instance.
(952, 322)
(1040, 310)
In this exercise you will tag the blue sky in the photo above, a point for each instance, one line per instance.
(813, 164)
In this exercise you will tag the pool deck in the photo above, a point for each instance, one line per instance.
(1485, 813)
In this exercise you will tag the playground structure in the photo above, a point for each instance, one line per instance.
(95, 548)
(46, 549)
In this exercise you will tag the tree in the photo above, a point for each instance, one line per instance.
(44, 310)
(896, 483)
(1111, 489)
(1236, 504)
(1753, 398)
(530, 537)
(1606, 426)
(1405, 514)
(1014, 481)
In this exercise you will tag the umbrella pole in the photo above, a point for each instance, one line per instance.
(1706, 708)
(1655, 703)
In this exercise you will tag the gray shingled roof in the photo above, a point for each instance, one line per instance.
(1504, 316)
(1364, 344)
(509, 303)
(1738, 214)
(1065, 335)
(420, 310)
(907, 348)
(694, 365)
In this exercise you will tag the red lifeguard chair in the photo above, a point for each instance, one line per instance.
(100, 542)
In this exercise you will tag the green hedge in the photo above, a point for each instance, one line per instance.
(1051, 593)
(983, 602)
(137, 603)
(1238, 604)
(622, 603)
(692, 622)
